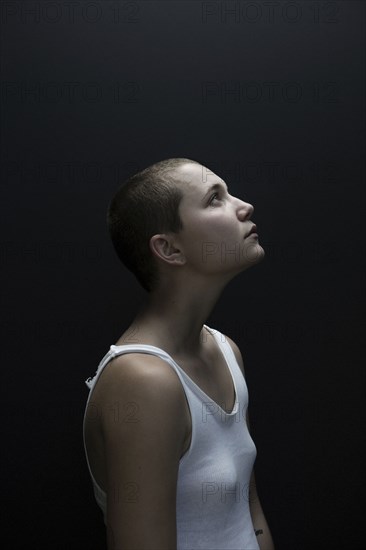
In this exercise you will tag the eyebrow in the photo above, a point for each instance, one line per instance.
(215, 187)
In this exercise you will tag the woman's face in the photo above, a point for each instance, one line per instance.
(216, 224)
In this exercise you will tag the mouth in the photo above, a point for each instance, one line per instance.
(253, 231)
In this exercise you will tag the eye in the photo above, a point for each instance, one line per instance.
(213, 197)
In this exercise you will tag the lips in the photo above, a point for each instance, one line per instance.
(253, 230)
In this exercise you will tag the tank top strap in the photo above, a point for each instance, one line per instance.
(224, 345)
(114, 351)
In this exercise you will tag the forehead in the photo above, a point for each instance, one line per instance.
(197, 179)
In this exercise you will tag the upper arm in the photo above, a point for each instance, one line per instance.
(143, 440)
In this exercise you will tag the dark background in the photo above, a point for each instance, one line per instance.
(271, 97)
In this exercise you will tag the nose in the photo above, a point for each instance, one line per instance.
(245, 210)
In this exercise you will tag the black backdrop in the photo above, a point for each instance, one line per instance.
(271, 97)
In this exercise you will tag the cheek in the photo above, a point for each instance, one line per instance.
(205, 239)
(208, 231)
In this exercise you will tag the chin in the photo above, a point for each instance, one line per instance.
(254, 254)
(251, 260)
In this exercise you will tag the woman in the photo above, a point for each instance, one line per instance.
(165, 427)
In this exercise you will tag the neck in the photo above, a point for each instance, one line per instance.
(177, 317)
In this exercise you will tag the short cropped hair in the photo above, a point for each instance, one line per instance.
(144, 205)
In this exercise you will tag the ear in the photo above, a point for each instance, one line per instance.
(162, 247)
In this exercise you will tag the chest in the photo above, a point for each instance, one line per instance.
(213, 377)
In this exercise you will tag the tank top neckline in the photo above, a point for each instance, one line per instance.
(160, 350)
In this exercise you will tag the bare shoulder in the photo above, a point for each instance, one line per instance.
(143, 433)
(136, 377)
(237, 353)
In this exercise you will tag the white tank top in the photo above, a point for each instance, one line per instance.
(212, 506)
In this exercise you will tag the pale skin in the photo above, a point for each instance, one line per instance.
(195, 266)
